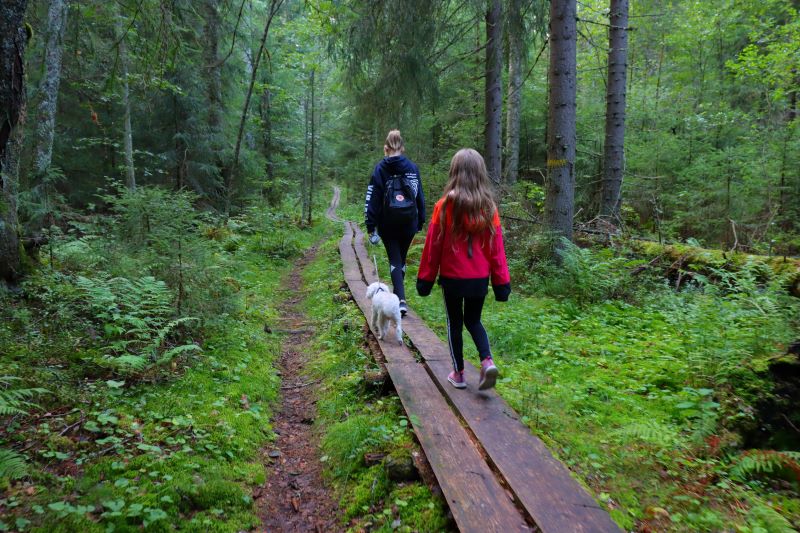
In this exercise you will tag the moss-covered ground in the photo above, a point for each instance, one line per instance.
(645, 396)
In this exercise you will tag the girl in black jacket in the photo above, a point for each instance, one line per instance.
(394, 209)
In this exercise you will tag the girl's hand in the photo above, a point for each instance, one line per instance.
(501, 292)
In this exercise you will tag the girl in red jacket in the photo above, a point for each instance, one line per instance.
(464, 246)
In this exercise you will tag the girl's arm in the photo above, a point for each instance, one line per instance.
(373, 204)
(501, 279)
(420, 204)
(431, 256)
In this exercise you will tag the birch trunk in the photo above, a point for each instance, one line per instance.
(12, 103)
(513, 101)
(45, 127)
(562, 88)
(614, 151)
(494, 96)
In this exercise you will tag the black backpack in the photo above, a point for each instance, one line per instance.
(400, 202)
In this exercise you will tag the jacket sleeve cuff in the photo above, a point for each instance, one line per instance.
(501, 292)
(424, 287)
(370, 229)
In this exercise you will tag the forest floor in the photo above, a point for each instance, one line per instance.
(655, 398)
(295, 497)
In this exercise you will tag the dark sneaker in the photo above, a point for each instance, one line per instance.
(457, 380)
(488, 374)
(403, 308)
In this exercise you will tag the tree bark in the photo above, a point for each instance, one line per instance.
(13, 39)
(230, 180)
(614, 151)
(493, 107)
(130, 171)
(212, 74)
(514, 99)
(269, 165)
(313, 147)
(304, 184)
(560, 194)
(45, 127)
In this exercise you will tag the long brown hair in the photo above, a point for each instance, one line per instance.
(470, 193)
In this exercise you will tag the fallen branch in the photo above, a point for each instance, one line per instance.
(300, 385)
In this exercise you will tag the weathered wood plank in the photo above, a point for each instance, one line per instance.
(348, 254)
(542, 484)
(476, 498)
(365, 258)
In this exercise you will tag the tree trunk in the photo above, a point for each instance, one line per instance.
(269, 166)
(513, 101)
(130, 172)
(313, 147)
(181, 147)
(230, 180)
(304, 186)
(560, 195)
(212, 74)
(45, 127)
(493, 109)
(12, 101)
(614, 151)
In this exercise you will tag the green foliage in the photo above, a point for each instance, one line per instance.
(12, 464)
(760, 462)
(175, 448)
(372, 425)
(582, 274)
(764, 519)
(15, 401)
(642, 390)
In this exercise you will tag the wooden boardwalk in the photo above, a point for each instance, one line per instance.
(495, 475)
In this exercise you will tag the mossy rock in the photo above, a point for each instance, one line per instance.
(399, 466)
(214, 494)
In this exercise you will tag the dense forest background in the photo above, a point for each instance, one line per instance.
(161, 148)
(711, 140)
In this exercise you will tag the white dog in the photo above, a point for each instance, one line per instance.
(385, 309)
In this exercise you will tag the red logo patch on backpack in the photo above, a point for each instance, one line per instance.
(399, 197)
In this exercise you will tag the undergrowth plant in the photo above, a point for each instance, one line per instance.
(124, 447)
(645, 392)
(354, 422)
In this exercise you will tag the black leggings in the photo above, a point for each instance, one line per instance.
(462, 312)
(397, 250)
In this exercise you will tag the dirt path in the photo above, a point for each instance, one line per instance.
(295, 497)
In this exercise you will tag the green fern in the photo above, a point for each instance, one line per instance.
(769, 519)
(172, 353)
(16, 401)
(651, 433)
(126, 364)
(12, 464)
(766, 462)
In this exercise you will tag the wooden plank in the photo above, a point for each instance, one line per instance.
(476, 498)
(542, 484)
(349, 260)
(365, 258)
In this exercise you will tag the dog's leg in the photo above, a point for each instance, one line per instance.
(376, 322)
(398, 323)
(384, 326)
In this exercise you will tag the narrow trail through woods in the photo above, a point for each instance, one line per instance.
(295, 498)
